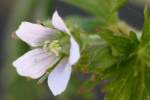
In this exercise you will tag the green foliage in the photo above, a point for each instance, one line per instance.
(119, 57)
(88, 24)
(146, 29)
(119, 44)
(104, 9)
(129, 78)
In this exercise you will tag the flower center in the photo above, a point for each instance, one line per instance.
(52, 46)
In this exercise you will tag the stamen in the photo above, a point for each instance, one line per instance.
(45, 46)
(53, 46)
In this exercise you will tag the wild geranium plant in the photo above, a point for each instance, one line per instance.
(102, 46)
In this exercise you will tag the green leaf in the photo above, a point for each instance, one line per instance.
(146, 30)
(118, 4)
(104, 9)
(133, 37)
(97, 61)
(126, 80)
(102, 58)
(88, 24)
(119, 44)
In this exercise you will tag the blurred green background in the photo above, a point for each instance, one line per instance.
(12, 13)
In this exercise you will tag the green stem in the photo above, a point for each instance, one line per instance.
(142, 81)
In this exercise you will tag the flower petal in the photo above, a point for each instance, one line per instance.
(34, 63)
(59, 77)
(58, 23)
(74, 51)
(34, 34)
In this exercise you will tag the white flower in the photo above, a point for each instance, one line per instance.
(35, 63)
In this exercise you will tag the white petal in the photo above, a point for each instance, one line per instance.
(34, 63)
(59, 77)
(34, 34)
(74, 51)
(58, 23)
